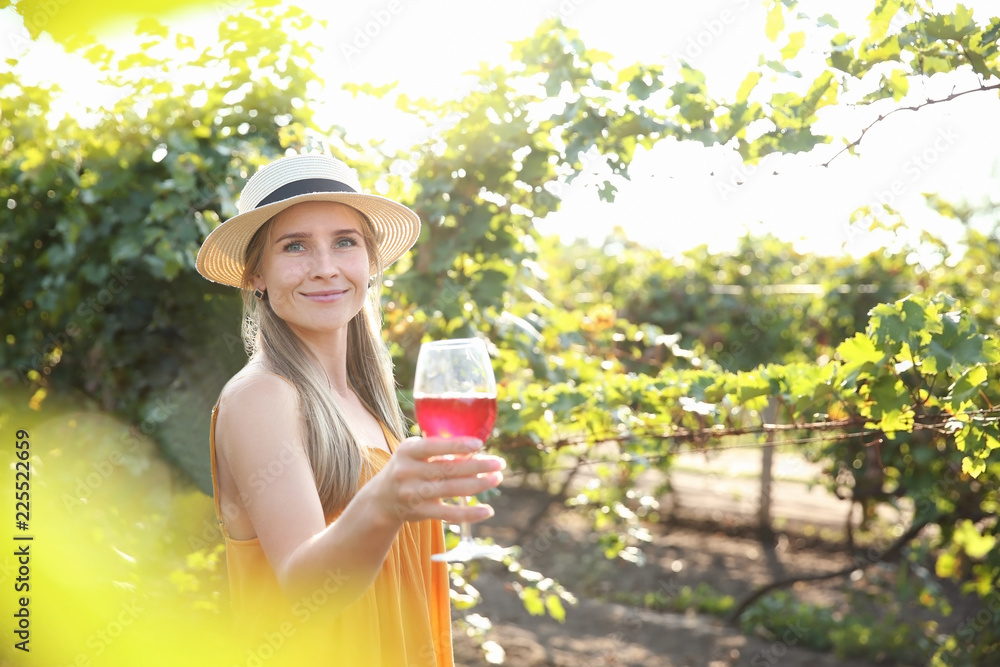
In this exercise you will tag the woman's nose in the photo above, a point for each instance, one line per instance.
(325, 264)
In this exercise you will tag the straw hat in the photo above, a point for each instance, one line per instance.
(293, 180)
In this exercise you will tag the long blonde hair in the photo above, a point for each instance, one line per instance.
(332, 446)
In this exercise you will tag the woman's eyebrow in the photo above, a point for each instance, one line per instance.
(293, 235)
(307, 235)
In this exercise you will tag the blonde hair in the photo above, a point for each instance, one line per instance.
(332, 446)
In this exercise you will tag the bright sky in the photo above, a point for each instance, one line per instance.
(681, 194)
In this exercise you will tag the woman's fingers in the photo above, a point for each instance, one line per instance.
(463, 514)
(465, 467)
(426, 448)
(467, 486)
(427, 471)
(430, 490)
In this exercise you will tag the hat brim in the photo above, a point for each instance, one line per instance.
(221, 256)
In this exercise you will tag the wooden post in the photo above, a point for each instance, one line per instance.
(769, 415)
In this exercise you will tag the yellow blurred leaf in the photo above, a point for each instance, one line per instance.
(150, 26)
(899, 83)
(184, 581)
(973, 467)
(35, 403)
(945, 566)
(68, 22)
(33, 158)
(775, 22)
(555, 608)
(795, 42)
(974, 543)
(749, 83)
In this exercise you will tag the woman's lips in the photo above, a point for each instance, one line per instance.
(325, 296)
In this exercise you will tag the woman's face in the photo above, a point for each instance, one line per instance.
(315, 266)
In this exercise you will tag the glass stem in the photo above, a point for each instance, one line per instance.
(465, 527)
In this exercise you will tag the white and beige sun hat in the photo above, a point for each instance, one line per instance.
(292, 180)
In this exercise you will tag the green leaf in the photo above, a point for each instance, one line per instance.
(858, 355)
(607, 191)
(775, 22)
(750, 386)
(955, 27)
(138, 60)
(842, 55)
(895, 420)
(628, 74)
(881, 17)
(531, 598)
(567, 400)
(124, 249)
(598, 56)
(795, 42)
(957, 347)
(99, 55)
(930, 65)
(780, 68)
(973, 467)
(150, 26)
(945, 566)
(33, 158)
(967, 387)
(378, 92)
(749, 83)
(974, 543)
(979, 64)
(898, 84)
(823, 92)
(909, 320)
(991, 351)
(827, 20)
(888, 405)
(555, 607)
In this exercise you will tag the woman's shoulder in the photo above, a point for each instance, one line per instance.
(253, 388)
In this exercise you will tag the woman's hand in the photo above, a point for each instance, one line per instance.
(425, 471)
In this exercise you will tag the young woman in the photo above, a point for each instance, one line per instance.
(329, 515)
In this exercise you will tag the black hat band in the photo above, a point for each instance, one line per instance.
(304, 187)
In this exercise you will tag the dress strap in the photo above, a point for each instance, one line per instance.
(215, 473)
(213, 456)
(390, 439)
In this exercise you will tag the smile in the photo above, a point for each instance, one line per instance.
(325, 296)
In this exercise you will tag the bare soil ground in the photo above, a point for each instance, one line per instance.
(710, 539)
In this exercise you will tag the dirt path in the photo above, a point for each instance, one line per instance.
(600, 631)
(597, 633)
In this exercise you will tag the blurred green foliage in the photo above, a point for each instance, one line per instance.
(106, 209)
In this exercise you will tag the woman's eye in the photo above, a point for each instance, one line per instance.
(346, 242)
(294, 246)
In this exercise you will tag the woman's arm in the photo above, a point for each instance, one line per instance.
(260, 435)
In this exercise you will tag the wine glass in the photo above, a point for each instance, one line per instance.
(455, 395)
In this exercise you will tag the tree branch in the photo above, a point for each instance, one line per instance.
(915, 107)
(540, 513)
(717, 432)
(888, 554)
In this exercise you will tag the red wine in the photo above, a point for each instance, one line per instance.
(456, 415)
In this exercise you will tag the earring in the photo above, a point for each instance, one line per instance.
(257, 293)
